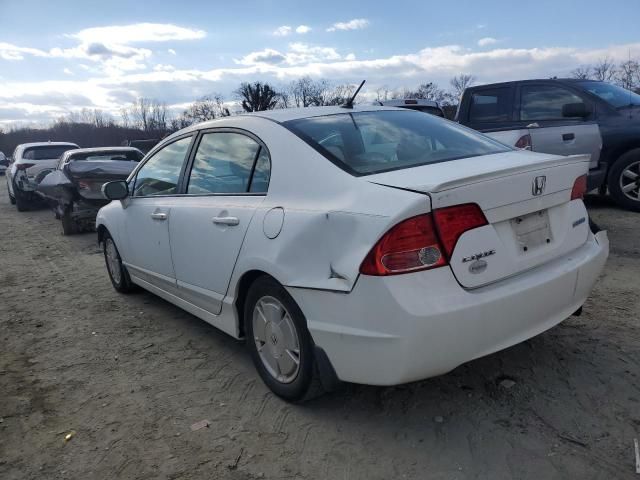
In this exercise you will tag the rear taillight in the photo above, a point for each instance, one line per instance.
(579, 188)
(453, 221)
(524, 142)
(422, 242)
(409, 246)
(24, 166)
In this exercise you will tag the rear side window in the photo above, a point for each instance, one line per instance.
(544, 102)
(364, 143)
(224, 163)
(160, 174)
(46, 152)
(490, 106)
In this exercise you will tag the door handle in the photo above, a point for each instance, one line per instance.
(231, 221)
(159, 216)
(568, 136)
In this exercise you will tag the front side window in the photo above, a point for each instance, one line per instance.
(545, 102)
(224, 162)
(490, 106)
(160, 174)
(615, 96)
(364, 143)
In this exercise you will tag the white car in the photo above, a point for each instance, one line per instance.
(30, 160)
(4, 163)
(372, 245)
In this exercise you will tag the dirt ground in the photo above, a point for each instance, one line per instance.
(129, 375)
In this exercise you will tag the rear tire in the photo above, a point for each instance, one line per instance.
(21, 202)
(279, 341)
(69, 225)
(117, 272)
(624, 180)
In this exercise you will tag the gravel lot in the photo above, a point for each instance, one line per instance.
(129, 375)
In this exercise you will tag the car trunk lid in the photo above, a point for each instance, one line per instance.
(90, 175)
(526, 199)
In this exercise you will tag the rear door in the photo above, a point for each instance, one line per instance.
(490, 109)
(226, 182)
(540, 111)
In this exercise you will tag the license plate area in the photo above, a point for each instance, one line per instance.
(532, 230)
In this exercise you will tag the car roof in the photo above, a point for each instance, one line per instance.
(532, 80)
(46, 144)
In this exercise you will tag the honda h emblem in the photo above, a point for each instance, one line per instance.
(538, 185)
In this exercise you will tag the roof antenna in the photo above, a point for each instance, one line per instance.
(349, 103)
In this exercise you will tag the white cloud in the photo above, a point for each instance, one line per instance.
(9, 51)
(282, 31)
(136, 33)
(163, 68)
(486, 41)
(355, 24)
(302, 29)
(37, 100)
(171, 51)
(68, 72)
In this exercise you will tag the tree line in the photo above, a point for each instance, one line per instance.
(625, 74)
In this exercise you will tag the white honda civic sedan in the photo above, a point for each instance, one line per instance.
(372, 245)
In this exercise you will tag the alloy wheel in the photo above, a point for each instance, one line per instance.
(630, 181)
(276, 339)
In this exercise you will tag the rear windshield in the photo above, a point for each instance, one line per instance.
(365, 143)
(46, 152)
(130, 156)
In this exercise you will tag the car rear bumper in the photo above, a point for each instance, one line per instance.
(398, 329)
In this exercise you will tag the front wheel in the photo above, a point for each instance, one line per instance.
(117, 272)
(12, 199)
(69, 225)
(624, 180)
(280, 344)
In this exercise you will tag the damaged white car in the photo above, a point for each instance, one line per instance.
(369, 244)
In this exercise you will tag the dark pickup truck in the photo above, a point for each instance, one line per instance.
(566, 117)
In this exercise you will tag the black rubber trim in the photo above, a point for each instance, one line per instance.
(326, 372)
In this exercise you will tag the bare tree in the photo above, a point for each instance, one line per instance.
(383, 94)
(628, 75)
(430, 91)
(256, 97)
(459, 83)
(604, 70)
(205, 108)
(337, 95)
(584, 72)
(307, 92)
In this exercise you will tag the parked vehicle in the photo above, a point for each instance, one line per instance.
(566, 116)
(372, 245)
(4, 163)
(29, 159)
(74, 188)
(427, 106)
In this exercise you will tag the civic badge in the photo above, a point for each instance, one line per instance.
(539, 183)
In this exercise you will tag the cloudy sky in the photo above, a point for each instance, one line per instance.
(57, 57)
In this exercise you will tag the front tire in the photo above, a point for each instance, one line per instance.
(117, 272)
(69, 225)
(12, 199)
(280, 344)
(624, 180)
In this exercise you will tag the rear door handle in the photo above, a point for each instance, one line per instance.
(231, 221)
(159, 216)
(568, 136)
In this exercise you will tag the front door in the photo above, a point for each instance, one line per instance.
(226, 184)
(147, 253)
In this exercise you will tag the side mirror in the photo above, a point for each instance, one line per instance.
(575, 110)
(117, 190)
